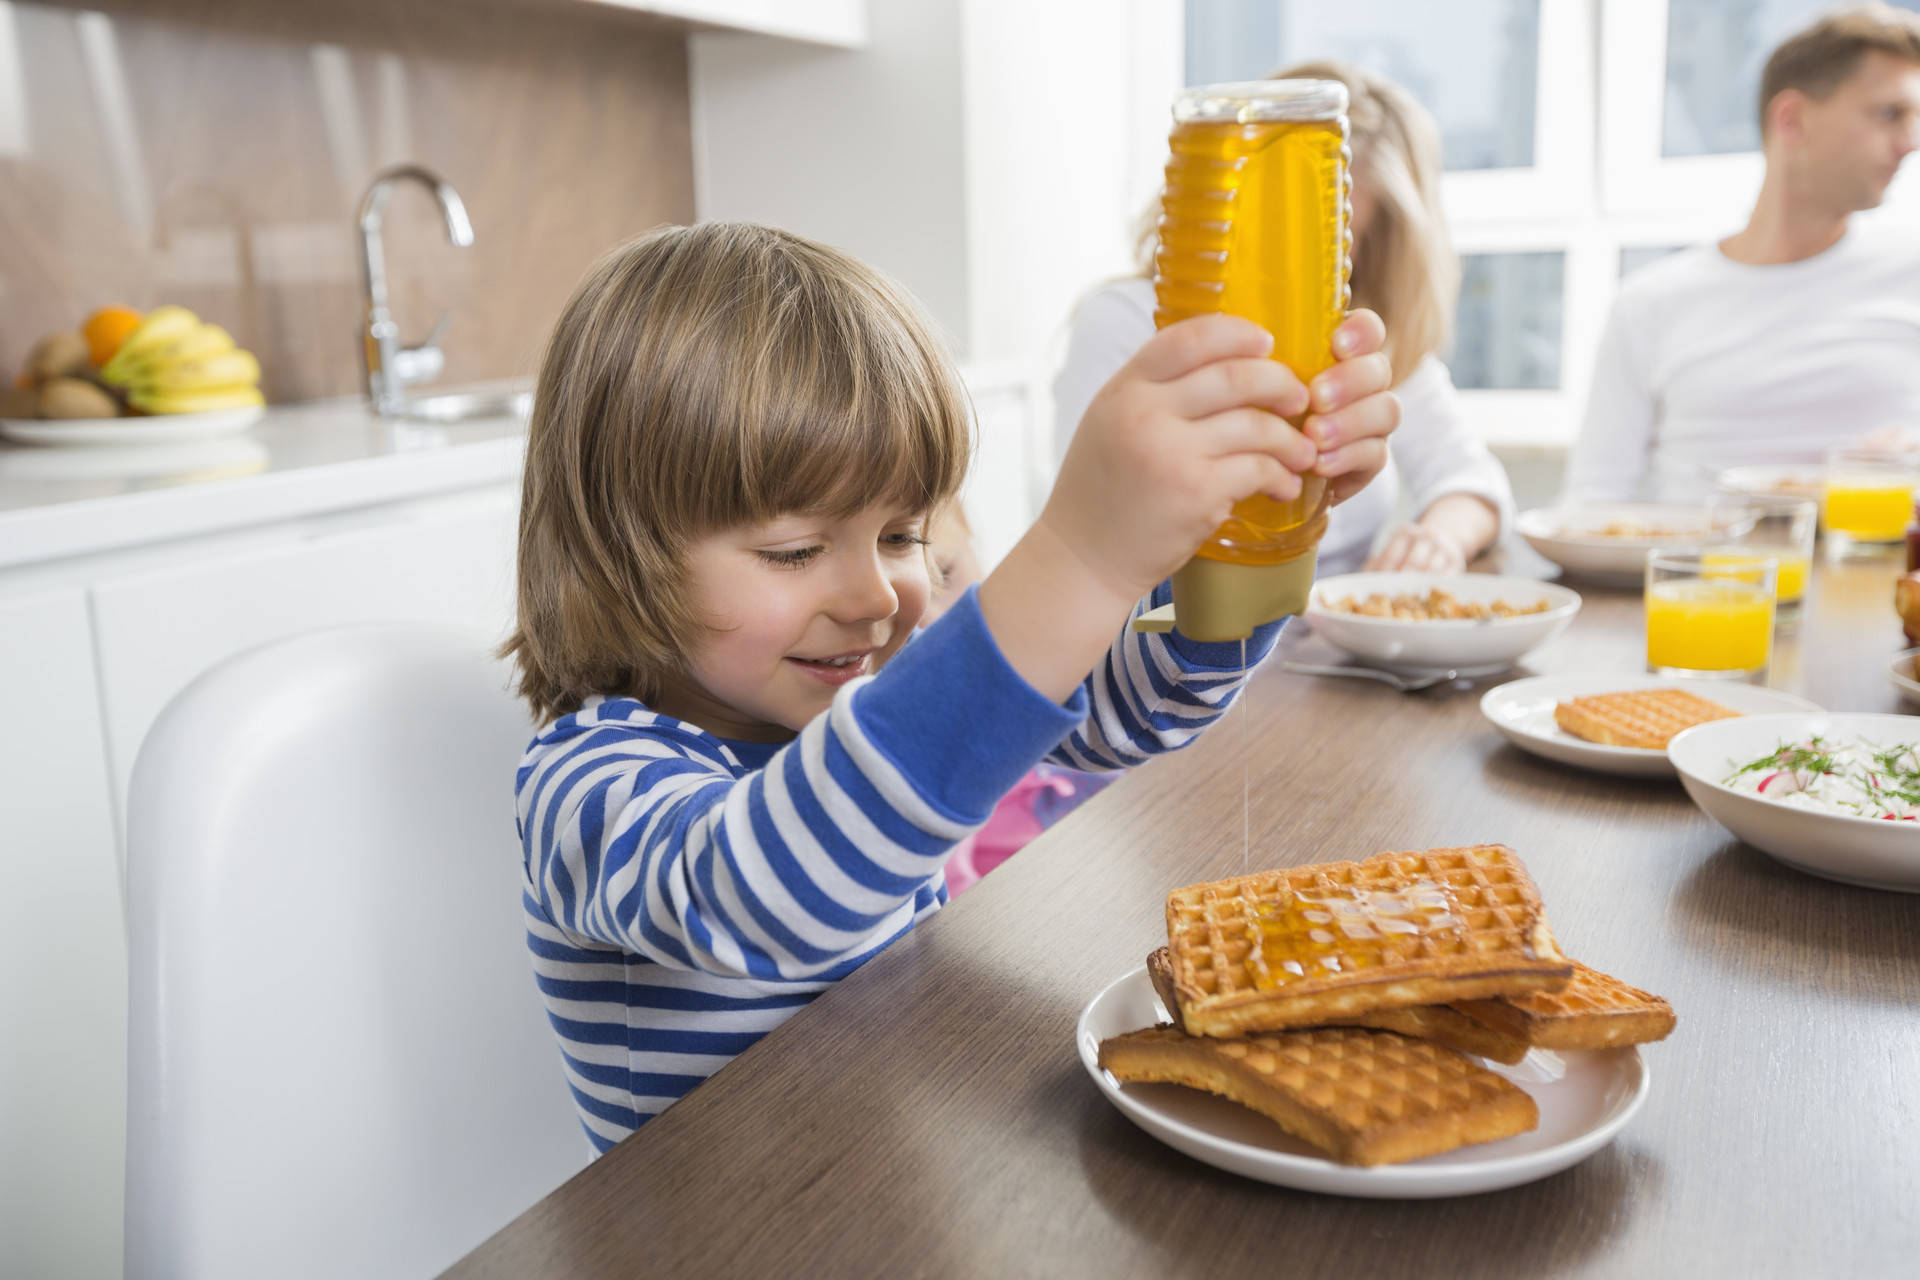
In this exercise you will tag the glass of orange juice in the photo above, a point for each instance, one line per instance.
(1710, 619)
(1748, 526)
(1869, 497)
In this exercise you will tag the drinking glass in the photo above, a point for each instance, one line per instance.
(1709, 619)
(1782, 528)
(1869, 498)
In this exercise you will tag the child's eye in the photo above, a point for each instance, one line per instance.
(790, 558)
(904, 541)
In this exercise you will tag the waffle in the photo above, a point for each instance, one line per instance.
(1362, 1097)
(1640, 718)
(1594, 1011)
(1436, 1022)
(1445, 1025)
(1322, 944)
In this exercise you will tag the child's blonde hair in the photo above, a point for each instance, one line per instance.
(1405, 269)
(702, 378)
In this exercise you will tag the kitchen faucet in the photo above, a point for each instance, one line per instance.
(391, 368)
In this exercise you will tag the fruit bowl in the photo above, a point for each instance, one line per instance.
(163, 428)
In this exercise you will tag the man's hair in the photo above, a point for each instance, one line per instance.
(699, 379)
(1819, 60)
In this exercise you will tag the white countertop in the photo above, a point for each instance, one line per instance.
(60, 501)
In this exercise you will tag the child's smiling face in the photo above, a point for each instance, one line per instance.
(796, 608)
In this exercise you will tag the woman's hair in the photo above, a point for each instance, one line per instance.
(702, 378)
(1405, 268)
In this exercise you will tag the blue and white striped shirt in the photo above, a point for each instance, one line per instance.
(685, 894)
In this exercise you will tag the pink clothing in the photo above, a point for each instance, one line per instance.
(1045, 795)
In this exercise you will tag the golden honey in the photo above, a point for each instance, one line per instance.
(1309, 936)
(1254, 222)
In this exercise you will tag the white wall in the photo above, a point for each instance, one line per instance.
(990, 154)
(858, 148)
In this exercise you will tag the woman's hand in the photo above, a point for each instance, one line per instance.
(1417, 549)
(1353, 412)
(1452, 531)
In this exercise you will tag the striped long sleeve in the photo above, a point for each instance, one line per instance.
(685, 894)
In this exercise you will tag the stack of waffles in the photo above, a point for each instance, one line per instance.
(1349, 1001)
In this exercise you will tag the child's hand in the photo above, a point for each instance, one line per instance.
(1194, 423)
(1353, 412)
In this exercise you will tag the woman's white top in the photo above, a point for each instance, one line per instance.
(1434, 452)
(1708, 363)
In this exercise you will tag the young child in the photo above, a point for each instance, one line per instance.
(1048, 792)
(748, 781)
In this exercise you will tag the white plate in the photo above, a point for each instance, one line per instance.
(1523, 710)
(1837, 846)
(160, 428)
(1570, 536)
(1585, 1097)
(1792, 480)
(1902, 674)
(1477, 646)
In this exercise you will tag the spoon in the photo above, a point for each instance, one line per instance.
(1405, 684)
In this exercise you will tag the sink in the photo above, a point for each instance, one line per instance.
(464, 405)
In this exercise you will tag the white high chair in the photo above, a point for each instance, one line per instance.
(338, 1065)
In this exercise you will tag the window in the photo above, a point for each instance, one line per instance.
(1477, 72)
(1507, 336)
(1583, 140)
(1634, 257)
(1716, 50)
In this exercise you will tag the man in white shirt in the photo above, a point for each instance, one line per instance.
(1802, 330)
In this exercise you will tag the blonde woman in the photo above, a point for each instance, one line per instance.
(1404, 268)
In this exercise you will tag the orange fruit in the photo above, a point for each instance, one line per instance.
(106, 329)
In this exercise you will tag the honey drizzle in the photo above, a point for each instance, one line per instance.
(1246, 753)
(1309, 937)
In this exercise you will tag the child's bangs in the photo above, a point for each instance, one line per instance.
(887, 431)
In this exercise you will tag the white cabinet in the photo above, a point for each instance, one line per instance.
(63, 954)
(157, 628)
(94, 648)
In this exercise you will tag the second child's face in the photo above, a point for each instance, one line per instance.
(796, 609)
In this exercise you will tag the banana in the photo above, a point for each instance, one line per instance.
(198, 401)
(162, 327)
(201, 340)
(223, 369)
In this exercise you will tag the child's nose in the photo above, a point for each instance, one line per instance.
(866, 592)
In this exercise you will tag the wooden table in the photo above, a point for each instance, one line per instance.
(929, 1116)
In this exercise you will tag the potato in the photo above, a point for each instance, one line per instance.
(19, 402)
(75, 398)
(57, 355)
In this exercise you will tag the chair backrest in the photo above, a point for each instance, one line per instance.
(338, 1065)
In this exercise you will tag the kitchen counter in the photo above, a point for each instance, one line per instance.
(57, 502)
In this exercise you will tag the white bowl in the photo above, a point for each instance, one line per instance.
(1475, 646)
(1838, 846)
(1573, 536)
(1903, 674)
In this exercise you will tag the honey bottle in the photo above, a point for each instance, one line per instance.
(1255, 222)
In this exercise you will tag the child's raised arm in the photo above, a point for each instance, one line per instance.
(1195, 422)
